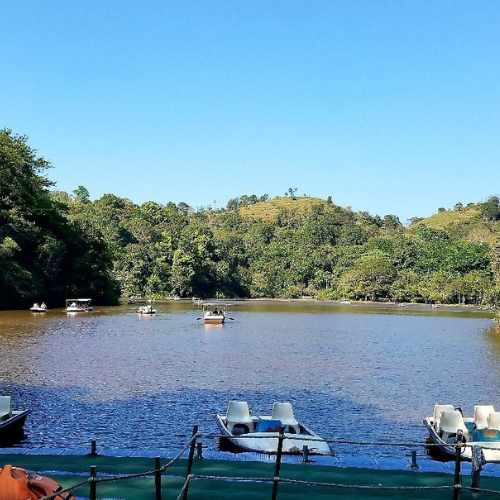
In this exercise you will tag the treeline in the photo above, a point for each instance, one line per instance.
(57, 244)
(45, 252)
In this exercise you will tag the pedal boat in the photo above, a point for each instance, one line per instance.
(11, 421)
(483, 430)
(260, 433)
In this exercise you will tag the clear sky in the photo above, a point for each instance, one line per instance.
(392, 107)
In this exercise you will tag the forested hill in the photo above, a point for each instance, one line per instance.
(55, 245)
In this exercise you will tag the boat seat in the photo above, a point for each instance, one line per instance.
(438, 411)
(238, 413)
(452, 421)
(5, 408)
(481, 413)
(494, 420)
(284, 412)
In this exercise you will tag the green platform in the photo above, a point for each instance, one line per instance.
(70, 470)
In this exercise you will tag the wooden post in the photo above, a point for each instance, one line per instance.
(93, 448)
(277, 468)
(191, 457)
(457, 481)
(157, 478)
(199, 450)
(93, 484)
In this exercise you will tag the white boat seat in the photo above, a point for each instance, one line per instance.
(481, 414)
(284, 412)
(238, 413)
(452, 421)
(494, 420)
(438, 411)
(5, 408)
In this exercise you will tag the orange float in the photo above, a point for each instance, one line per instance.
(17, 484)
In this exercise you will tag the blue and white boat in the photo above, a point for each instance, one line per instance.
(247, 432)
(483, 430)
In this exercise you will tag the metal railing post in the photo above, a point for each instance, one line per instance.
(190, 459)
(158, 478)
(457, 485)
(277, 468)
(93, 483)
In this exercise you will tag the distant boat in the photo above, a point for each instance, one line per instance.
(39, 308)
(148, 309)
(78, 305)
(214, 313)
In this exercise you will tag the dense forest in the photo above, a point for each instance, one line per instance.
(54, 245)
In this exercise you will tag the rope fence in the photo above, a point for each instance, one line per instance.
(456, 487)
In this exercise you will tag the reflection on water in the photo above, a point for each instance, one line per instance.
(351, 372)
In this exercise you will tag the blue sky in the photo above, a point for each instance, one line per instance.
(392, 107)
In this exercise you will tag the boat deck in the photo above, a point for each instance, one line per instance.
(380, 482)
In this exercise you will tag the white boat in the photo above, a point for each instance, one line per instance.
(38, 308)
(247, 432)
(78, 305)
(214, 313)
(11, 421)
(148, 309)
(483, 430)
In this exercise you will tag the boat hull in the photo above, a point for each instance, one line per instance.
(267, 442)
(38, 310)
(12, 428)
(213, 320)
(491, 449)
(78, 309)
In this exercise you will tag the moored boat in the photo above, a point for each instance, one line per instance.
(447, 425)
(260, 433)
(78, 305)
(11, 421)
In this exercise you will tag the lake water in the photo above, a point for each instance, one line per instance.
(355, 373)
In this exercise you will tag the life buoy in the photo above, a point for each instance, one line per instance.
(17, 484)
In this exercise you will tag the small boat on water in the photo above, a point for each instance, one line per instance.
(39, 308)
(147, 309)
(78, 305)
(483, 430)
(247, 432)
(11, 421)
(214, 313)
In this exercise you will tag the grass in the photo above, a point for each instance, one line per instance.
(269, 210)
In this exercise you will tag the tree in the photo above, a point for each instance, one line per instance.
(81, 194)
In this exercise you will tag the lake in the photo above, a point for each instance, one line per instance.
(352, 372)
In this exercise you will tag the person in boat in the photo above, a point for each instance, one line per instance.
(43, 306)
(36, 306)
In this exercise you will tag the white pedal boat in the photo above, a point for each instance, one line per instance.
(260, 433)
(483, 430)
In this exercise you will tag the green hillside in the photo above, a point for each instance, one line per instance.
(270, 209)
